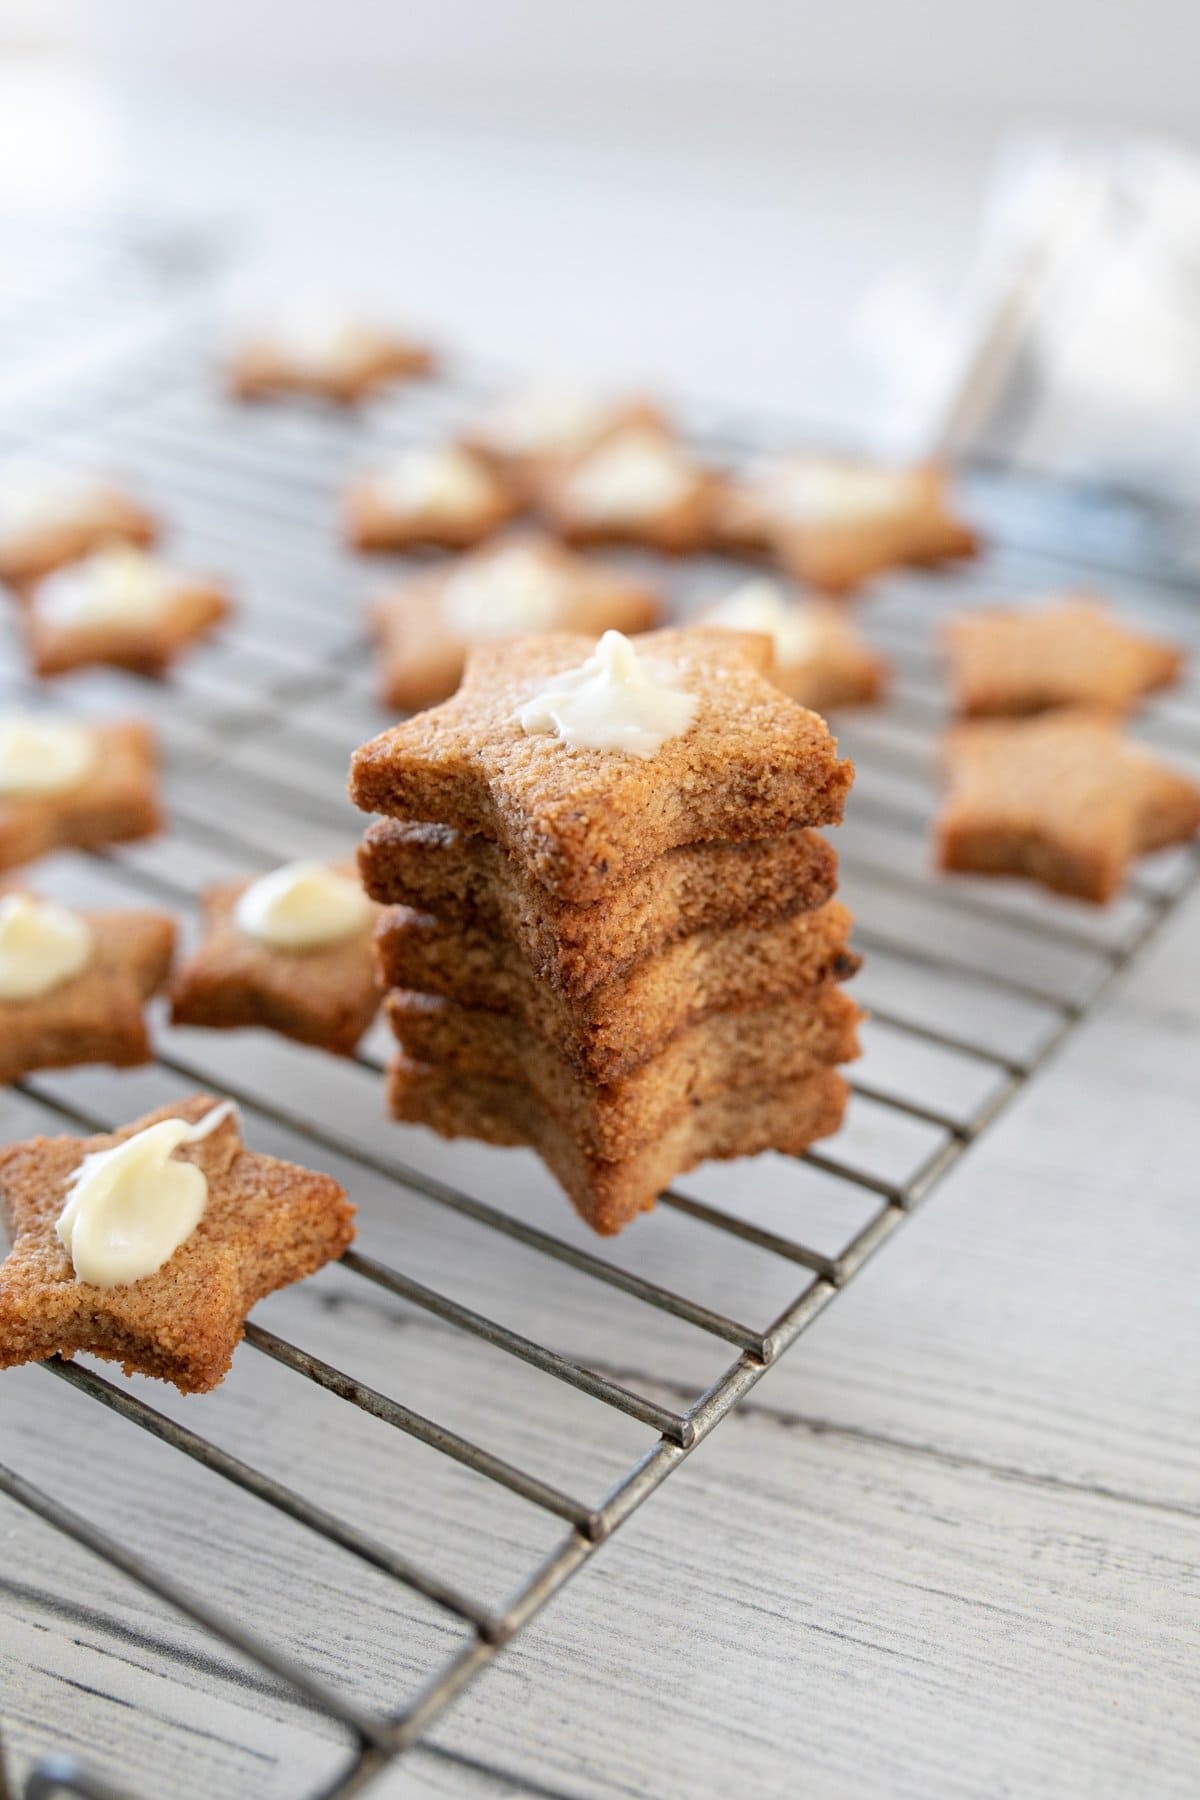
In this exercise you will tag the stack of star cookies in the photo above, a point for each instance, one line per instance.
(610, 928)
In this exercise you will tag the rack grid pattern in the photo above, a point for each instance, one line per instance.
(256, 733)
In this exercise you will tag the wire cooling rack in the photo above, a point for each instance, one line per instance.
(648, 1342)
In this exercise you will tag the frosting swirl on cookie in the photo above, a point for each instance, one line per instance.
(41, 946)
(613, 701)
(633, 476)
(447, 482)
(301, 906)
(762, 606)
(128, 1209)
(513, 590)
(43, 756)
(115, 586)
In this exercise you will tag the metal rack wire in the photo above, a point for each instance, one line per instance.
(256, 733)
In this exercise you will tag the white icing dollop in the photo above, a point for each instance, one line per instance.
(128, 1209)
(318, 341)
(550, 419)
(512, 590)
(448, 482)
(613, 701)
(34, 498)
(811, 491)
(632, 476)
(763, 606)
(301, 906)
(115, 586)
(41, 946)
(43, 756)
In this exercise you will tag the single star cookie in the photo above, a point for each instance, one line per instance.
(439, 495)
(118, 606)
(290, 952)
(1068, 652)
(835, 522)
(49, 517)
(427, 623)
(73, 985)
(748, 763)
(264, 1225)
(821, 658)
(699, 887)
(1064, 799)
(787, 1117)
(638, 486)
(73, 786)
(327, 357)
(527, 433)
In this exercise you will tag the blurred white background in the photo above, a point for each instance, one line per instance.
(741, 199)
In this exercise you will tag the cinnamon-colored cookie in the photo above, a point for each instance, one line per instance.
(751, 764)
(639, 485)
(265, 1225)
(1068, 652)
(427, 623)
(49, 517)
(1065, 799)
(335, 359)
(120, 607)
(787, 1117)
(821, 658)
(528, 433)
(438, 495)
(699, 887)
(753, 1047)
(96, 1015)
(619, 1023)
(323, 995)
(835, 522)
(115, 801)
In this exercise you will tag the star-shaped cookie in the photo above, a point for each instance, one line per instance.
(327, 357)
(118, 606)
(115, 799)
(752, 763)
(834, 522)
(1067, 652)
(527, 433)
(639, 485)
(49, 517)
(821, 657)
(1065, 799)
(96, 1015)
(426, 624)
(323, 995)
(265, 1225)
(437, 495)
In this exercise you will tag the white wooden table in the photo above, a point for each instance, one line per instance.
(948, 1546)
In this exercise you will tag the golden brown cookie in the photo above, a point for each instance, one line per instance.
(619, 1023)
(1068, 652)
(528, 433)
(752, 763)
(323, 995)
(1065, 799)
(340, 360)
(753, 1047)
(265, 1225)
(787, 1117)
(95, 1016)
(427, 623)
(821, 658)
(116, 800)
(48, 518)
(120, 607)
(699, 887)
(639, 485)
(835, 522)
(437, 495)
